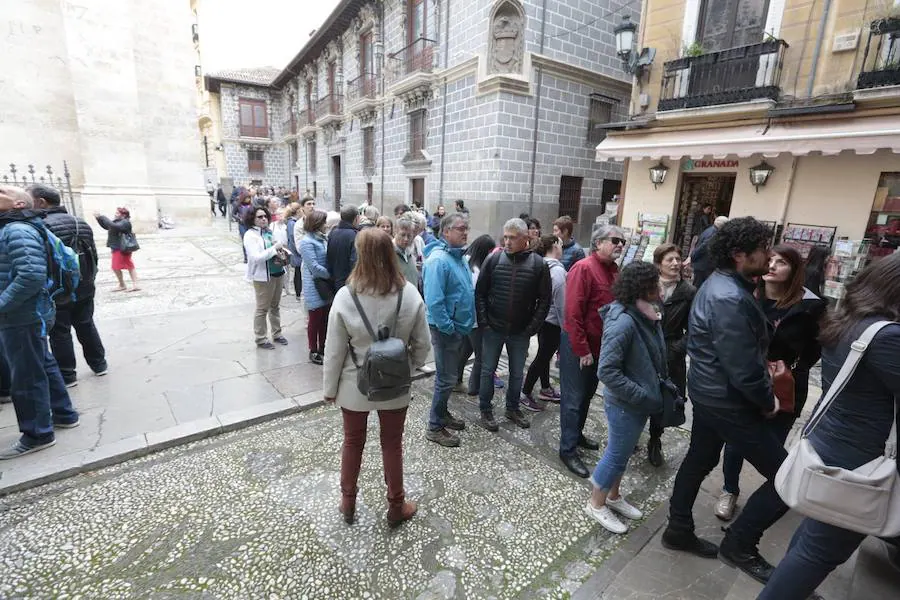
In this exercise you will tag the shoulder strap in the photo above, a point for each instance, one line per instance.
(362, 314)
(397, 313)
(857, 350)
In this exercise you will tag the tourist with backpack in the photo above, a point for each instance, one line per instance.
(363, 374)
(75, 233)
(39, 394)
(119, 239)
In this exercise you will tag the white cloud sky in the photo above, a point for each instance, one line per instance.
(257, 33)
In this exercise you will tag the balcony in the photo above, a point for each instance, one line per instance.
(329, 110)
(290, 126)
(410, 69)
(731, 76)
(307, 122)
(881, 61)
(362, 93)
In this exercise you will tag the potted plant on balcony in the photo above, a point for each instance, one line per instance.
(888, 21)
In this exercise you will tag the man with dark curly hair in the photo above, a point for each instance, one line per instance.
(732, 397)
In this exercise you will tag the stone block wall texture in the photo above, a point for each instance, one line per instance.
(111, 90)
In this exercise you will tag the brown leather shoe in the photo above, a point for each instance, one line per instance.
(348, 509)
(399, 513)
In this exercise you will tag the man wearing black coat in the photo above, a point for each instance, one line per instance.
(75, 233)
(701, 263)
(341, 255)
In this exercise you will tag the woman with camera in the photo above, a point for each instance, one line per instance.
(265, 268)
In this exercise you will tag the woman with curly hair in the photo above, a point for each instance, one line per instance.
(631, 349)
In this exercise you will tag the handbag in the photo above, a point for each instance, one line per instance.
(783, 385)
(866, 499)
(128, 243)
(673, 401)
(325, 289)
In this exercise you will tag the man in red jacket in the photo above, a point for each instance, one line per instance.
(588, 288)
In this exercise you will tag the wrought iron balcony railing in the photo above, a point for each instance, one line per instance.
(414, 58)
(725, 77)
(881, 61)
(364, 86)
(332, 104)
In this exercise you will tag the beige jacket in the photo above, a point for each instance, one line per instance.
(346, 326)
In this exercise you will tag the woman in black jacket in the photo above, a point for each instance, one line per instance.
(855, 428)
(794, 313)
(676, 296)
(121, 261)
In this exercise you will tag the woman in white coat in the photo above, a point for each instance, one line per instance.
(376, 279)
(265, 273)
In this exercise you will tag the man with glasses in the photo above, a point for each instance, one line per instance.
(732, 398)
(450, 309)
(588, 288)
(512, 298)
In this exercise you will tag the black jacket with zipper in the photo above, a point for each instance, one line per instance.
(513, 293)
(75, 233)
(675, 312)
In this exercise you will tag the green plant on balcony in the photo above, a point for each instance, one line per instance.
(694, 49)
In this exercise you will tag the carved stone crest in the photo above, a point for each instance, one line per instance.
(507, 38)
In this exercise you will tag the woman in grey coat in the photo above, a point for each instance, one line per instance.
(376, 279)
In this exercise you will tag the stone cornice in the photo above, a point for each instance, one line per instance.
(576, 74)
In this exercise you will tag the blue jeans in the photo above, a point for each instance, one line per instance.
(447, 353)
(39, 393)
(4, 375)
(475, 338)
(625, 429)
(577, 386)
(733, 462)
(492, 343)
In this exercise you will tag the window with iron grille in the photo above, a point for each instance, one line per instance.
(311, 154)
(416, 133)
(600, 113)
(254, 118)
(418, 192)
(570, 196)
(255, 161)
(369, 148)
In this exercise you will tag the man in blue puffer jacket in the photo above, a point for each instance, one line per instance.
(450, 309)
(26, 313)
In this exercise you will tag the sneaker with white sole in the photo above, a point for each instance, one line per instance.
(622, 507)
(101, 373)
(606, 518)
(19, 449)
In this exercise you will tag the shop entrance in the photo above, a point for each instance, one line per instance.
(698, 191)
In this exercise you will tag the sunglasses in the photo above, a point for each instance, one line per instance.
(616, 241)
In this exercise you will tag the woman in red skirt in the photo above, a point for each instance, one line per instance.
(121, 261)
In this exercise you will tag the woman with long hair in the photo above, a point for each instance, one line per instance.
(265, 268)
(854, 429)
(794, 313)
(477, 252)
(550, 247)
(815, 269)
(632, 352)
(121, 261)
(375, 281)
(676, 296)
(315, 267)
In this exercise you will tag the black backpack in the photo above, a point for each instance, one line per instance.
(384, 373)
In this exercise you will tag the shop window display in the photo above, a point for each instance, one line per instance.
(883, 231)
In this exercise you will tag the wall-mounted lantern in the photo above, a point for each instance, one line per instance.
(633, 62)
(658, 174)
(759, 174)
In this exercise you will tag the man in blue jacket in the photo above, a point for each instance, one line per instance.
(342, 246)
(26, 313)
(450, 309)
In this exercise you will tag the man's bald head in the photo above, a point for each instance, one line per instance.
(14, 198)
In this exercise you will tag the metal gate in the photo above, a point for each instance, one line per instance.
(30, 176)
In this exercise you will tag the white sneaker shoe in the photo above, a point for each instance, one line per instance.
(622, 507)
(606, 518)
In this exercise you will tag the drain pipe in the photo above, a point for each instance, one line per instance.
(820, 39)
(787, 197)
(444, 102)
(381, 18)
(537, 109)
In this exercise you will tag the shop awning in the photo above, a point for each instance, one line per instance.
(860, 135)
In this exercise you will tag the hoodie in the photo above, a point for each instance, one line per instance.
(449, 294)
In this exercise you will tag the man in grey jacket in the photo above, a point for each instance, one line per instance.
(732, 397)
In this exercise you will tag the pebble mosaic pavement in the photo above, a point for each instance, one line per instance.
(253, 514)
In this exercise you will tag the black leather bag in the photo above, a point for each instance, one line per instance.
(325, 289)
(128, 243)
(673, 401)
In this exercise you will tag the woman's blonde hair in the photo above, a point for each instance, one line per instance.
(377, 271)
(292, 209)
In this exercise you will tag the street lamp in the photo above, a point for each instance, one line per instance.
(633, 62)
(658, 174)
(759, 174)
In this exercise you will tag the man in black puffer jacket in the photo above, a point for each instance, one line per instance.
(75, 233)
(341, 254)
(512, 298)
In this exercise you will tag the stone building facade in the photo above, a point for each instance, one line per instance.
(108, 87)
(492, 102)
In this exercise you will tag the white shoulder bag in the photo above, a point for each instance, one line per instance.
(866, 499)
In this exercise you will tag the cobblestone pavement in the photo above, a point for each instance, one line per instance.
(253, 514)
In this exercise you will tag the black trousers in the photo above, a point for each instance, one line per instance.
(80, 316)
(298, 281)
(548, 344)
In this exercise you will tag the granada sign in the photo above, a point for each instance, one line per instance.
(693, 165)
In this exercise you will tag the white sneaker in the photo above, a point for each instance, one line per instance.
(622, 507)
(606, 518)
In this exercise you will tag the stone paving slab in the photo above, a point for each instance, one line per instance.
(256, 516)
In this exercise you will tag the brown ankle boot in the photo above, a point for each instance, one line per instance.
(399, 513)
(348, 508)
